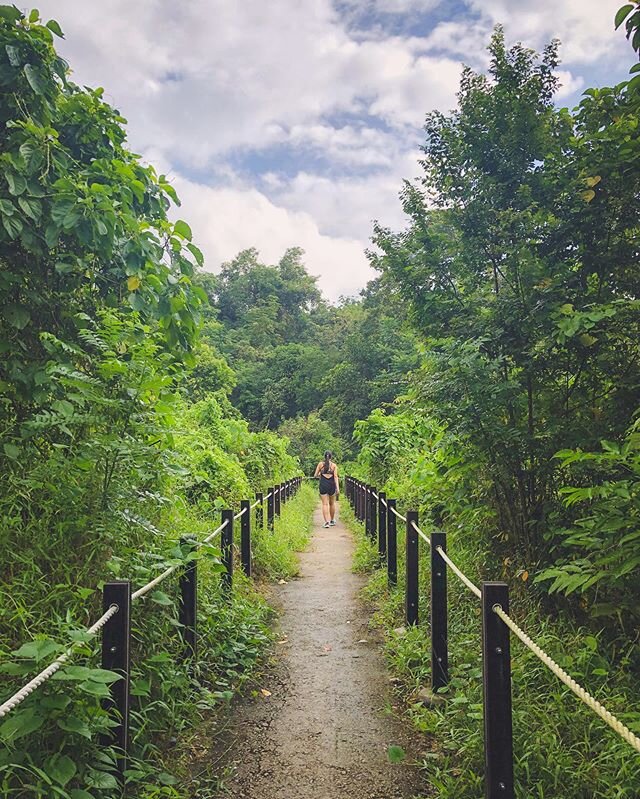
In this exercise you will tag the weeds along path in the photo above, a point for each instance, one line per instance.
(323, 733)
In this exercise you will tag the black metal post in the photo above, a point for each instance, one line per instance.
(392, 544)
(439, 631)
(226, 541)
(382, 525)
(260, 509)
(496, 674)
(373, 510)
(188, 609)
(368, 499)
(411, 584)
(116, 649)
(277, 495)
(271, 506)
(245, 536)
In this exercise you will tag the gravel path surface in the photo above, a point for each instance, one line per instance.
(323, 733)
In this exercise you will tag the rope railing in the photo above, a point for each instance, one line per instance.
(379, 518)
(459, 573)
(422, 535)
(46, 674)
(582, 694)
(215, 533)
(115, 658)
(399, 515)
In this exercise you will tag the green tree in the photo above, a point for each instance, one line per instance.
(528, 310)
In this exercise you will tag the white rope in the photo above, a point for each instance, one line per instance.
(44, 675)
(420, 533)
(256, 503)
(562, 675)
(399, 515)
(463, 577)
(212, 535)
(52, 668)
(156, 581)
(375, 495)
(168, 572)
(384, 503)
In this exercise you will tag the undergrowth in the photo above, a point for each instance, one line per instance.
(561, 749)
(275, 551)
(62, 721)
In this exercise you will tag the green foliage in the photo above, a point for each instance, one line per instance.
(294, 355)
(588, 758)
(529, 312)
(110, 449)
(310, 437)
(599, 556)
(275, 551)
(519, 266)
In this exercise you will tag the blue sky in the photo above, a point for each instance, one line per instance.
(293, 122)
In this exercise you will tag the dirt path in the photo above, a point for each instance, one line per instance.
(323, 732)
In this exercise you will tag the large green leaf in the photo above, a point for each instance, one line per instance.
(182, 229)
(18, 316)
(10, 13)
(13, 225)
(34, 76)
(53, 26)
(61, 769)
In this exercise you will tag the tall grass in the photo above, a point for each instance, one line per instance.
(275, 551)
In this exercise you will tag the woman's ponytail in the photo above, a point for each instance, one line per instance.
(327, 462)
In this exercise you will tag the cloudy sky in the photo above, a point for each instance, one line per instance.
(293, 122)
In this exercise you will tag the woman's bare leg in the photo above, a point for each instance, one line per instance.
(332, 506)
(325, 507)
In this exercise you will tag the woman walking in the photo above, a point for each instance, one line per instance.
(327, 471)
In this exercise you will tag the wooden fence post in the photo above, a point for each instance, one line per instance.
(271, 507)
(373, 513)
(226, 541)
(382, 525)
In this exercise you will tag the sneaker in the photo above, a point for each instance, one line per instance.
(332, 523)
(326, 524)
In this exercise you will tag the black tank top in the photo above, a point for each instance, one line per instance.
(328, 479)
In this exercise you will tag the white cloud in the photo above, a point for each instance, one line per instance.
(207, 77)
(585, 27)
(225, 221)
(347, 206)
(207, 83)
(568, 83)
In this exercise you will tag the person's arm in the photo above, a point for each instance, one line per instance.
(335, 477)
(318, 467)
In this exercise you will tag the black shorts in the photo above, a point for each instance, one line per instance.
(327, 487)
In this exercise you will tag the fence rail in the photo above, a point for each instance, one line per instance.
(379, 515)
(117, 598)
